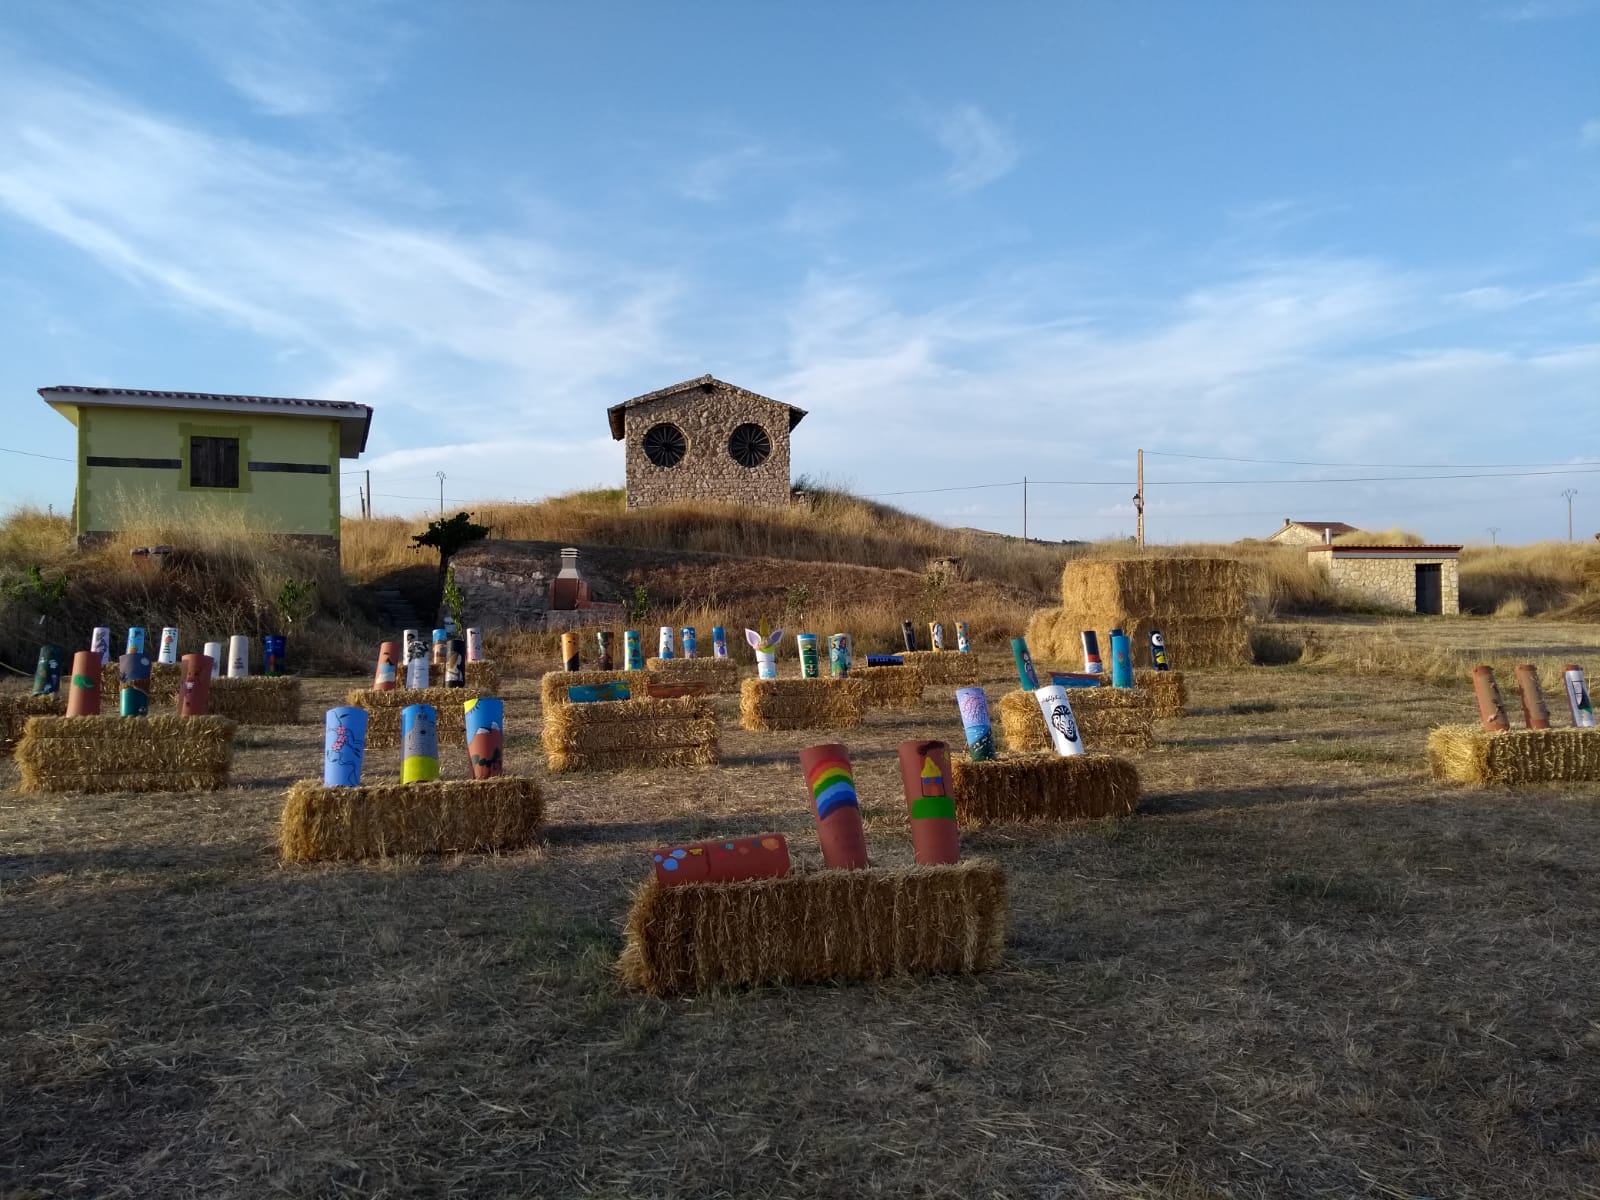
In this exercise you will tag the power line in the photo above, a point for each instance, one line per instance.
(974, 487)
(31, 454)
(1595, 470)
(1292, 462)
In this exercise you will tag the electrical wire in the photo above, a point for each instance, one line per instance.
(1291, 462)
(31, 454)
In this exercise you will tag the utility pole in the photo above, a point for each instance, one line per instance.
(363, 497)
(440, 474)
(1138, 499)
(1569, 494)
(1024, 508)
(369, 493)
(1494, 532)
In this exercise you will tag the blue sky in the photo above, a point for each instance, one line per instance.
(976, 242)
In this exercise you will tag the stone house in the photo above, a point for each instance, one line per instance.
(1423, 579)
(1309, 533)
(179, 456)
(705, 440)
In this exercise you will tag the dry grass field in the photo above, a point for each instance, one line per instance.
(1301, 969)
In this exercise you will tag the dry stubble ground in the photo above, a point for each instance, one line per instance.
(1301, 970)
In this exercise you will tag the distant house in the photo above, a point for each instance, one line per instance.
(1423, 579)
(146, 455)
(705, 440)
(1309, 533)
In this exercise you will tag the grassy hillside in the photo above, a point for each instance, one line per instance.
(228, 578)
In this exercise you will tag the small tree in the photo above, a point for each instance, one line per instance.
(454, 602)
(35, 592)
(297, 600)
(449, 536)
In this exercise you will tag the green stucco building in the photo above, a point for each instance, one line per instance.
(146, 455)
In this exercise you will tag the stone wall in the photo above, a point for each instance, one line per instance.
(707, 414)
(1391, 580)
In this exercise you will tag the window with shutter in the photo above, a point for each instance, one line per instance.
(213, 462)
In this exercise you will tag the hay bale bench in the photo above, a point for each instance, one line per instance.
(888, 687)
(126, 754)
(610, 735)
(456, 816)
(767, 705)
(943, 667)
(553, 685)
(1169, 695)
(162, 685)
(255, 699)
(1042, 787)
(483, 677)
(829, 925)
(720, 675)
(1468, 754)
(17, 707)
(1199, 604)
(1108, 719)
(383, 713)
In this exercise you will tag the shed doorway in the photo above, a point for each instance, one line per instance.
(1430, 588)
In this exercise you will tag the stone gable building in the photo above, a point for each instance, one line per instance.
(705, 440)
(1309, 533)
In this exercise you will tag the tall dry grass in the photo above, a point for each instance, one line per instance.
(223, 577)
(1544, 577)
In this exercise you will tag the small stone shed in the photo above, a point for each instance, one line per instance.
(705, 440)
(1423, 579)
(1309, 533)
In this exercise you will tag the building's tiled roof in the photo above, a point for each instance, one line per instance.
(1339, 528)
(614, 413)
(355, 419)
(338, 407)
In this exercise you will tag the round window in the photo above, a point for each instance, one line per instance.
(665, 445)
(749, 445)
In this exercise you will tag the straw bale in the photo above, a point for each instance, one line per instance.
(943, 667)
(383, 712)
(1108, 719)
(483, 676)
(17, 707)
(455, 816)
(830, 925)
(889, 687)
(1181, 587)
(1169, 695)
(615, 734)
(1042, 787)
(826, 703)
(125, 754)
(553, 685)
(720, 675)
(257, 699)
(1054, 635)
(162, 685)
(1468, 754)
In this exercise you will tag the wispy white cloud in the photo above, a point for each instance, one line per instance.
(740, 166)
(263, 240)
(294, 58)
(980, 150)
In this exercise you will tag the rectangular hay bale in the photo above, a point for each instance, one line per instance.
(465, 816)
(1174, 584)
(17, 707)
(828, 925)
(1108, 719)
(1054, 635)
(766, 705)
(553, 685)
(889, 687)
(1169, 695)
(257, 699)
(619, 734)
(942, 668)
(1042, 787)
(720, 675)
(483, 677)
(125, 754)
(1469, 754)
(383, 712)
